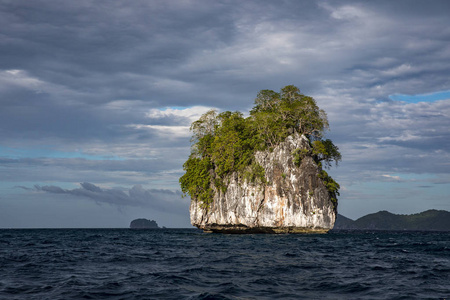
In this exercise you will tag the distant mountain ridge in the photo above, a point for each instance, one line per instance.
(430, 220)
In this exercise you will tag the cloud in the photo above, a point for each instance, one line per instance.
(172, 113)
(162, 171)
(158, 199)
(168, 120)
(119, 83)
(396, 178)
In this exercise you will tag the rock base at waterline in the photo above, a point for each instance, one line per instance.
(242, 229)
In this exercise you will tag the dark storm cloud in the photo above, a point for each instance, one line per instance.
(75, 59)
(157, 199)
(397, 136)
(109, 50)
(64, 67)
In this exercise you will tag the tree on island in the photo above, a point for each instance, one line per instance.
(225, 143)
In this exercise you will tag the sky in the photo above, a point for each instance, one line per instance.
(96, 99)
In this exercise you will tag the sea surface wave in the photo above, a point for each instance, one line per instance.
(189, 264)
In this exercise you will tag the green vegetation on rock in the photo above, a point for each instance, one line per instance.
(331, 185)
(226, 143)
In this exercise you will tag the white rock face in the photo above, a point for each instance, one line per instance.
(293, 200)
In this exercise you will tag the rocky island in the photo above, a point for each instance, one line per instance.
(143, 224)
(264, 173)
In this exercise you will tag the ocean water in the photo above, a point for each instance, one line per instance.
(189, 264)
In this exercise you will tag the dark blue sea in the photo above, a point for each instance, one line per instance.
(190, 264)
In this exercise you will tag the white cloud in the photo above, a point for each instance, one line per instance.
(20, 79)
(164, 131)
(403, 69)
(348, 12)
(177, 124)
(191, 113)
(391, 177)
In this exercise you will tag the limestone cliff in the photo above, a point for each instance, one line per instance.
(294, 199)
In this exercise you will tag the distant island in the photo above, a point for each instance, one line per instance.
(143, 224)
(430, 220)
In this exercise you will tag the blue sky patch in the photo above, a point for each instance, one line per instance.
(431, 97)
(173, 107)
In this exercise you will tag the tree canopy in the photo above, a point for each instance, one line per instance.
(225, 143)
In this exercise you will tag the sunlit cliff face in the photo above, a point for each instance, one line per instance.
(294, 199)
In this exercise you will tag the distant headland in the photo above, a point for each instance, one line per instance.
(143, 224)
(430, 220)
